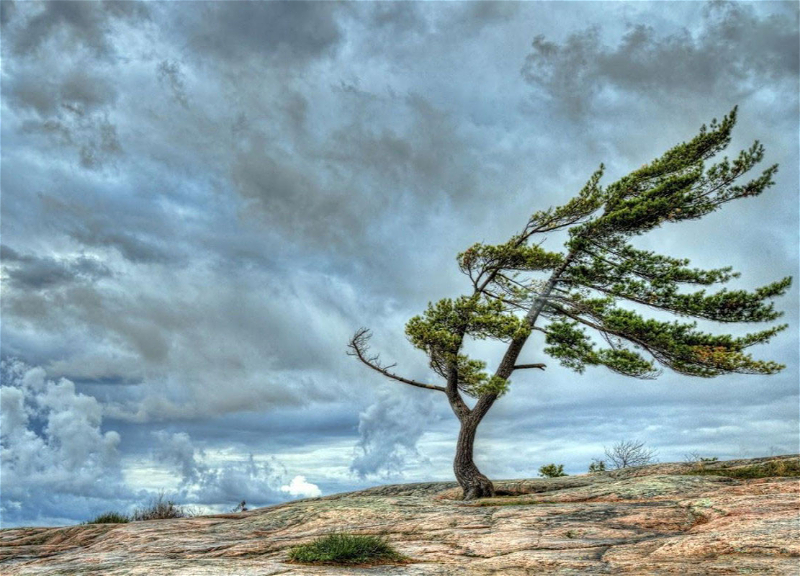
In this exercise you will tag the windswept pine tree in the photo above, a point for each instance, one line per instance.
(588, 299)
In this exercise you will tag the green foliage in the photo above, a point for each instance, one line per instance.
(601, 272)
(647, 279)
(552, 471)
(109, 518)
(569, 343)
(444, 324)
(509, 256)
(496, 271)
(590, 299)
(440, 330)
(345, 549)
(597, 466)
(677, 186)
(677, 345)
(606, 270)
(588, 200)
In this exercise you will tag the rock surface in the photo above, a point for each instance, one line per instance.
(662, 519)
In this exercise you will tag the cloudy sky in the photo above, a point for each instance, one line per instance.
(201, 202)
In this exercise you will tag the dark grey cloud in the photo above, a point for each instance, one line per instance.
(139, 238)
(74, 22)
(283, 32)
(392, 151)
(170, 73)
(57, 80)
(475, 16)
(7, 10)
(78, 91)
(27, 272)
(398, 19)
(734, 51)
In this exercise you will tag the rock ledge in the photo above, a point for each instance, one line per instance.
(663, 519)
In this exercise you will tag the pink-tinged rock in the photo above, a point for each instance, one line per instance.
(681, 519)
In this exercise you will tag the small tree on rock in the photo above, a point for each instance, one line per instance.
(629, 453)
(518, 287)
(597, 466)
(552, 471)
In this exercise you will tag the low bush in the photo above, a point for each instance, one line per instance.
(109, 518)
(346, 549)
(160, 508)
(552, 471)
(597, 466)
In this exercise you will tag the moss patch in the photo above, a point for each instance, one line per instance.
(772, 469)
(505, 501)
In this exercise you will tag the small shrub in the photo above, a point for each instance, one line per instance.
(552, 471)
(597, 466)
(160, 508)
(346, 549)
(695, 458)
(109, 518)
(628, 453)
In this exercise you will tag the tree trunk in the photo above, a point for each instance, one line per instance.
(472, 482)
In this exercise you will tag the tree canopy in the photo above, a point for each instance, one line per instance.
(590, 299)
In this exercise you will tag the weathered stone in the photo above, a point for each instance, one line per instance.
(655, 520)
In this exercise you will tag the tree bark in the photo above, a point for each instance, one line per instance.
(472, 482)
(475, 484)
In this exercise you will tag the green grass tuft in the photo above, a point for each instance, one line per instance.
(346, 549)
(109, 518)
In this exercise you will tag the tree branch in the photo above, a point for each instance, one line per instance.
(359, 348)
(523, 366)
(507, 364)
(603, 331)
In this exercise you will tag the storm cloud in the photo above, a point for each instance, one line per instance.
(731, 50)
(202, 201)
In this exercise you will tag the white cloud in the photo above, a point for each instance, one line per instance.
(299, 486)
(56, 460)
(59, 466)
(225, 479)
(389, 431)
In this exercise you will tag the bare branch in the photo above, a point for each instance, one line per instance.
(359, 347)
(523, 366)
